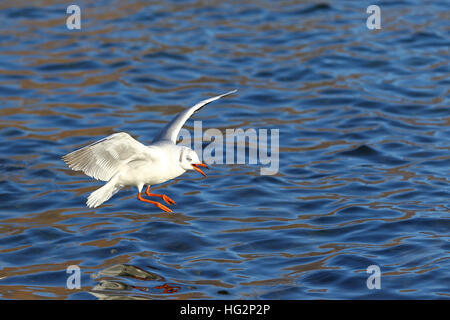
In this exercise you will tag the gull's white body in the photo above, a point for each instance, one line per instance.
(122, 161)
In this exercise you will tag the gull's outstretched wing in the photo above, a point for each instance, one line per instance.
(172, 129)
(104, 158)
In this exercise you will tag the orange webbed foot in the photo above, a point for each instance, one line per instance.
(159, 205)
(162, 196)
(167, 199)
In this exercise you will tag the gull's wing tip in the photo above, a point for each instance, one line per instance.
(231, 92)
(225, 94)
(170, 132)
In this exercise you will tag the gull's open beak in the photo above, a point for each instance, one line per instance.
(197, 165)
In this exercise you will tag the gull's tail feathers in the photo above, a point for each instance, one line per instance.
(102, 194)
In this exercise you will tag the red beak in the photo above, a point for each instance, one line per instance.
(197, 165)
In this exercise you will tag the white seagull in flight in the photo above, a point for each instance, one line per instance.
(122, 161)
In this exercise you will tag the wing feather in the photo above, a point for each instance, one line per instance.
(104, 158)
(172, 129)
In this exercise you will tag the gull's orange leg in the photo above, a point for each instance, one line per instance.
(162, 196)
(159, 205)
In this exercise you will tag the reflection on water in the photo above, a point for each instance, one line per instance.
(112, 289)
(364, 149)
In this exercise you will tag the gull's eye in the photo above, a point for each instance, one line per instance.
(188, 158)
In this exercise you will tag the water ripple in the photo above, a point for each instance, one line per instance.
(364, 150)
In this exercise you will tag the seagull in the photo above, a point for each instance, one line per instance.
(123, 161)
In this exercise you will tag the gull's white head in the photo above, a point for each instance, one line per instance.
(189, 160)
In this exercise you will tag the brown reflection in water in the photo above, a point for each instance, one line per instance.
(114, 289)
(336, 249)
(169, 288)
(30, 292)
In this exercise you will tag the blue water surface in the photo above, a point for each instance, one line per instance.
(364, 138)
